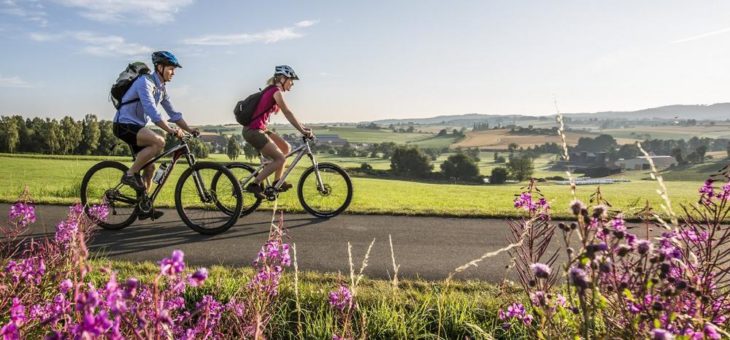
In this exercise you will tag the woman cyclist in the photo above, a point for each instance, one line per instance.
(267, 142)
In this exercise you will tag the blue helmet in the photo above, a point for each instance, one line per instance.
(165, 58)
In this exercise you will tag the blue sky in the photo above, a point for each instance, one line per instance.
(371, 59)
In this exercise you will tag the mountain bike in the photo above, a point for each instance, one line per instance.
(324, 189)
(197, 201)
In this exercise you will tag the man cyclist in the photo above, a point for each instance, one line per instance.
(143, 98)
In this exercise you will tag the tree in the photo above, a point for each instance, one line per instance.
(443, 132)
(520, 168)
(51, 136)
(701, 151)
(410, 162)
(249, 151)
(460, 167)
(71, 135)
(346, 150)
(11, 135)
(677, 154)
(233, 150)
(108, 142)
(499, 176)
(90, 135)
(198, 148)
(511, 149)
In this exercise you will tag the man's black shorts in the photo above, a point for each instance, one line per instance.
(128, 133)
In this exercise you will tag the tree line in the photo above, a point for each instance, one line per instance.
(67, 136)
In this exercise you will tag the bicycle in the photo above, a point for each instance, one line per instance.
(324, 189)
(197, 203)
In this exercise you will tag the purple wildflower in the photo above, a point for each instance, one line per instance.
(577, 277)
(174, 265)
(341, 298)
(711, 332)
(65, 286)
(661, 334)
(576, 206)
(22, 214)
(644, 246)
(198, 278)
(540, 270)
(707, 191)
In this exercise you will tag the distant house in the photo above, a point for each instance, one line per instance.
(333, 140)
(642, 163)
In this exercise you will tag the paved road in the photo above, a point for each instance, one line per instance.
(425, 247)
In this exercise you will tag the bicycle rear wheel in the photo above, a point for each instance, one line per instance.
(101, 185)
(198, 203)
(332, 198)
(241, 171)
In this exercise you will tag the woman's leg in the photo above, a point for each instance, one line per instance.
(271, 151)
(284, 148)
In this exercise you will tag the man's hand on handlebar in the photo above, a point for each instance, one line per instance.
(179, 133)
(308, 133)
(195, 132)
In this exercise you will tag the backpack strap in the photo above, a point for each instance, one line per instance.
(149, 76)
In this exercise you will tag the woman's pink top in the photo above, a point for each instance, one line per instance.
(267, 106)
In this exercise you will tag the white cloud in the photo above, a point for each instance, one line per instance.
(267, 37)
(13, 82)
(307, 23)
(30, 10)
(140, 11)
(97, 44)
(702, 36)
(103, 45)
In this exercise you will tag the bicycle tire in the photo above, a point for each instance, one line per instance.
(87, 199)
(232, 193)
(236, 167)
(309, 206)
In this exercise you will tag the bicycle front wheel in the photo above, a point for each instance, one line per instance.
(101, 186)
(198, 202)
(242, 172)
(328, 198)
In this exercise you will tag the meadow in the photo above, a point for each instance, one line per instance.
(56, 180)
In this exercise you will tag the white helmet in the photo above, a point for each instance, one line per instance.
(286, 71)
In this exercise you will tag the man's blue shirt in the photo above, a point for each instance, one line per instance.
(151, 92)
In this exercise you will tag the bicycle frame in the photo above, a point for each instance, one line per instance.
(299, 151)
(177, 151)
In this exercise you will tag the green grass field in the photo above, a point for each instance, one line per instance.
(58, 180)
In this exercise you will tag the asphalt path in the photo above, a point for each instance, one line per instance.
(425, 247)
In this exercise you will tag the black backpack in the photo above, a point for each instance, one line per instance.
(125, 81)
(244, 109)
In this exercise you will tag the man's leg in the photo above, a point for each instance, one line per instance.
(153, 144)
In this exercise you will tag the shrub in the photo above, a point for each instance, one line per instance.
(499, 176)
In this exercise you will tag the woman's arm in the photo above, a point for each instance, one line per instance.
(289, 115)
